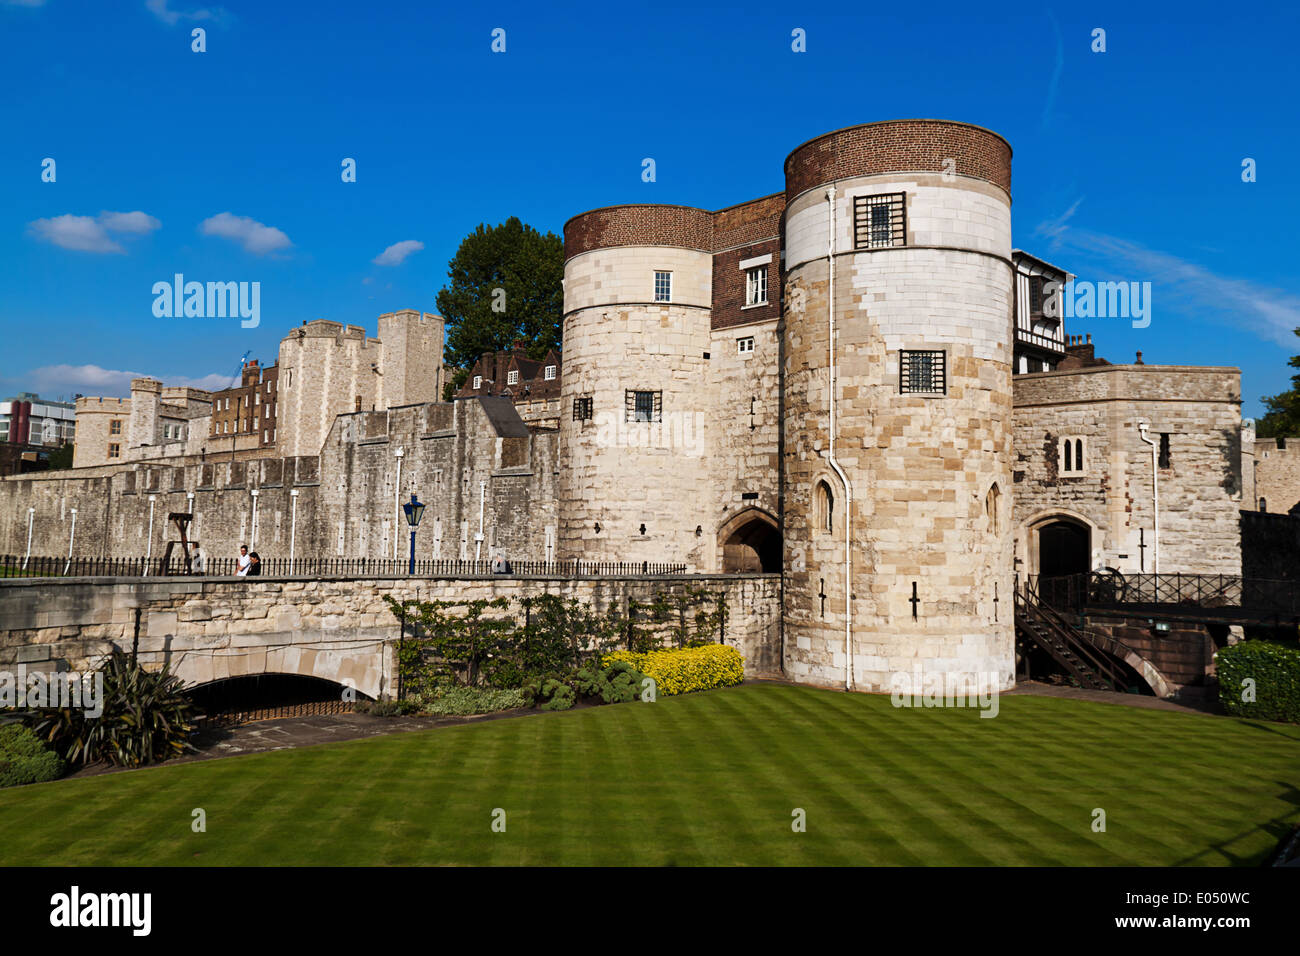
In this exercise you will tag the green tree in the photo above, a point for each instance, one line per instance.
(61, 457)
(504, 286)
(1283, 417)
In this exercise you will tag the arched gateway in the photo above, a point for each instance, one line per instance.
(750, 541)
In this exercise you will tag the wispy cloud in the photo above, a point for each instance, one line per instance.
(254, 236)
(68, 380)
(1269, 313)
(160, 9)
(1058, 67)
(396, 254)
(91, 233)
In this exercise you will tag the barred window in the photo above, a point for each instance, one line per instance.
(663, 287)
(879, 221)
(644, 406)
(756, 286)
(583, 408)
(922, 372)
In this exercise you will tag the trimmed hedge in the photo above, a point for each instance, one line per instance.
(24, 759)
(681, 671)
(1275, 669)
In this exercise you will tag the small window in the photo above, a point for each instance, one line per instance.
(550, 373)
(922, 372)
(583, 408)
(257, 398)
(478, 381)
(1072, 456)
(512, 377)
(358, 403)
(266, 434)
(825, 507)
(663, 287)
(756, 286)
(115, 427)
(644, 406)
(992, 503)
(1263, 503)
(1036, 296)
(114, 451)
(879, 222)
(1164, 451)
(745, 346)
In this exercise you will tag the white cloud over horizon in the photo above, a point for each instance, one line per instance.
(397, 253)
(92, 233)
(1269, 313)
(51, 381)
(255, 237)
(163, 12)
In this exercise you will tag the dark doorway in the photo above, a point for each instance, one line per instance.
(754, 546)
(1064, 548)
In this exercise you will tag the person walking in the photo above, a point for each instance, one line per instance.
(243, 561)
(198, 560)
(254, 564)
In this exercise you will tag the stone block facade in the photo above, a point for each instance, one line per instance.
(337, 630)
(1193, 415)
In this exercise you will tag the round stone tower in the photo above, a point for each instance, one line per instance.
(638, 284)
(897, 388)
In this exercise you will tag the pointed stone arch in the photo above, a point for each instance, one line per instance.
(750, 540)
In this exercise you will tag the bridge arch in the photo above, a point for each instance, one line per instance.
(367, 666)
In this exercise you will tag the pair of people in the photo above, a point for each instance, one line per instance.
(247, 564)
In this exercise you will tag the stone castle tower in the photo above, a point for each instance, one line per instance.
(700, 423)
(897, 452)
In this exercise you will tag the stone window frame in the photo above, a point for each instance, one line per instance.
(115, 426)
(824, 506)
(663, 285)
(741, 348)
(1070, 451)
(114, 450)
(640, 402)
(869, 231)
(907, 363)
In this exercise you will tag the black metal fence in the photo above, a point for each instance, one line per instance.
(17, 566)
(1108, 589)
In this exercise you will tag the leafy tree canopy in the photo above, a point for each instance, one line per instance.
(504, 286)
(1283, 417)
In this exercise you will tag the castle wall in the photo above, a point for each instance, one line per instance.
(1275, 475)
(1200, 491)
(448, 450)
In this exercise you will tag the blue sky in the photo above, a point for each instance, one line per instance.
(1127, 163)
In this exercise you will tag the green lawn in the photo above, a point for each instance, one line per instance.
(706, 779)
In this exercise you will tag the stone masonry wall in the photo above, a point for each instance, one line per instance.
(1200, 491)
(339, 630)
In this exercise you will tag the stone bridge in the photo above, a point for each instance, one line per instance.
(337, 629)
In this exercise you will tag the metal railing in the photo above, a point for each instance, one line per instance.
(1111, 589)
(12, 566)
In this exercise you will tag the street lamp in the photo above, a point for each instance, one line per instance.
(414, 512)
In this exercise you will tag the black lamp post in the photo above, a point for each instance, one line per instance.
(414, 512)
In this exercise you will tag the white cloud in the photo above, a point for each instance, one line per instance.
(132, 223)
(91, 234)
(172, 17)
(53, 380)
(396, 254)
(255, 237)
(1271, 314)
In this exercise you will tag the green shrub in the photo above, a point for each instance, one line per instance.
(614, 683)
(1275, 670)
(147, 717)
(24, 759)
(467, 701)
(683, 670)
(386, 707)
(551, 693)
